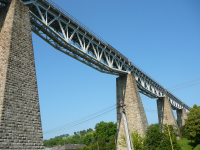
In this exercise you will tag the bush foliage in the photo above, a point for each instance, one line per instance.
(155, 139)
(193, 123)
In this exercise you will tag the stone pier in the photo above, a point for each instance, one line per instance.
(181, 116)
(165, 113)
(20, 121)
(128, 94)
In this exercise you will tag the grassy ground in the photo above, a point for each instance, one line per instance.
(188, 145)
(197, 147)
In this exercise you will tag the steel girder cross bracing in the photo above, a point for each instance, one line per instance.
(68, 35)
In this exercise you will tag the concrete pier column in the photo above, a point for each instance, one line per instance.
(181, 116)
(128, 94)
(20, 121)
(165, 113)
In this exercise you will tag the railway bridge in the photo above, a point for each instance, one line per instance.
(20, 121)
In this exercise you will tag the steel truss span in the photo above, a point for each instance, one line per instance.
(68, 35)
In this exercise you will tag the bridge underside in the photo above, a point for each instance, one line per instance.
(20, 121)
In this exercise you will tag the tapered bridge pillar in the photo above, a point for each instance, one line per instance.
(165, 113)
(20, 121)
(181, 116)
(128, 94)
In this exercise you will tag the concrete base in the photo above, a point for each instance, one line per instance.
(165, 113)
(20, 121)
(128, 94)
(181, 116)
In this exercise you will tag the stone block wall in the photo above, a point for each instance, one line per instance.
(165, 113)
(181, 116)
(20, 121)
(128, 94)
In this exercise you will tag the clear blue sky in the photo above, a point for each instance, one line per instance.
(161, 37)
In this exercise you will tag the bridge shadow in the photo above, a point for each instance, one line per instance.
(120, 92)
(179, 114)
(160, 107)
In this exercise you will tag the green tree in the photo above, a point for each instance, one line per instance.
(91, 147)
(83, 132)
(167, 133)
(137, 140)
(153, 136)
(193, 123)
(103, 138)
(111, 145)
(75, 139)
(54, 141)
(155, 139)
(101, 143)
(184, 133)
(87, 139)
(89, 130)
(105, 130)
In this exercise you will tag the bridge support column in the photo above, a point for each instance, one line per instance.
(181, 116)
(165, 113)
(128, 94)
(20, 121)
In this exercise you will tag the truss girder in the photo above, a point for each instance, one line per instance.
(69, 36)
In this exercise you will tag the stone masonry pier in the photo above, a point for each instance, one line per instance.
(181, 116)
(128, 94)
(165, 113)
(20, 121)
